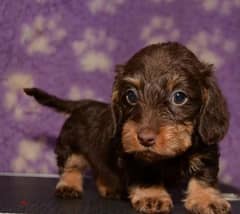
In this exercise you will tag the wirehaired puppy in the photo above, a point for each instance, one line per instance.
(162, 128)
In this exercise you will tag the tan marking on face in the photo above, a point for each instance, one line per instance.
(115, 95)
(72, 175)
(133, 81)
(154, 199)
(129, 138)
(171, 140)
(205, 199)
(172, 82)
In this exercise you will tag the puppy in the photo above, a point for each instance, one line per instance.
(162, 128)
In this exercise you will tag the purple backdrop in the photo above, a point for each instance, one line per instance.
(70, 47)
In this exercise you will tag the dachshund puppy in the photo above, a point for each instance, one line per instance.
(162, 128)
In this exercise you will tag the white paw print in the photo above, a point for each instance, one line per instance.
(105, 6)
(33, 156)
(76, 94)
(15, 100)
(160, 29)
(42, 35)
(222, 6)
(204, 45)
(94, 50)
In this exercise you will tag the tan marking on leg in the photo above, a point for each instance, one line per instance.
(153, 199)
(105, 190)
(196, 163)
(70, 184)
(205, 199)
(76, 161)
(102, 188)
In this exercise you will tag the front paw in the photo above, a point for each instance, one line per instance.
(205, 204)
(152, 205)
(150, 199)
(68, 192)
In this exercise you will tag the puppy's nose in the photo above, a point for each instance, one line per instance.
(147, 137)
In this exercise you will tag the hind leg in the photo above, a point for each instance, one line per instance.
(70, 184)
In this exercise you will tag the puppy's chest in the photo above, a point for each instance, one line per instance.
(170, 172)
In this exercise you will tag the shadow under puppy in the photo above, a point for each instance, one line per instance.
(163, 127)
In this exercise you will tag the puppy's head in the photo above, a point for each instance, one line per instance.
(162, 97)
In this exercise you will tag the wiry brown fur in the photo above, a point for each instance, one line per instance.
(186, 137)
(171, 140)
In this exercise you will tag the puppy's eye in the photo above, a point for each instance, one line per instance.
(179, 98)
(131, 96)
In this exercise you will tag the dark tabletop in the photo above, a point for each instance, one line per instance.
(36, 195)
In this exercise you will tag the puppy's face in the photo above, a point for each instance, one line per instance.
(159, 97)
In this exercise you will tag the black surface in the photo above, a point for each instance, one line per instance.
(36, 195)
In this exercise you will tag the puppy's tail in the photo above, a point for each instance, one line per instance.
(52, 101)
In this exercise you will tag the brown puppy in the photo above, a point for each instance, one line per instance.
(163, 127)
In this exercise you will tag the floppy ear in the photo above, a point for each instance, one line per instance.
(115, 105)
(214, 118)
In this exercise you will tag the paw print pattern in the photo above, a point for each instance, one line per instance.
(15, 100)
(42, 35)
(204, 45)
(109, 7)
(94, 50)
(160, 29)
(222, 6)
(33, 156)
(76, 94)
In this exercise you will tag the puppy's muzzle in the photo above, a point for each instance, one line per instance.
(146, 137)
